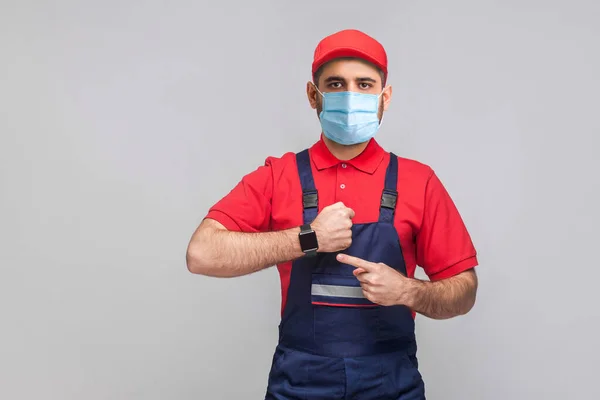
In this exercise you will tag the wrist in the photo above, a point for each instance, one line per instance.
(410, 294)
(292, 235)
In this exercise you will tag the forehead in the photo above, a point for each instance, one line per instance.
(350, 69)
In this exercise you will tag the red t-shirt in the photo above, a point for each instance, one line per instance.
(431, 231)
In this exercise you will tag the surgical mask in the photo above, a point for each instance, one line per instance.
(349, 117)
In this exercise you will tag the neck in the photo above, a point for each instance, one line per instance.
(343, 152)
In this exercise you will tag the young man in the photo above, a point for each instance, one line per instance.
(346, 223)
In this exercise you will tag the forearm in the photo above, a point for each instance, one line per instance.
(446, 298)
(222, 253)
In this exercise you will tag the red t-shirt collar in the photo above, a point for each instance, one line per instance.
(367, 161)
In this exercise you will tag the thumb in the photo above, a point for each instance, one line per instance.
(351, 213)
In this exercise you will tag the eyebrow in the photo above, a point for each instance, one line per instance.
(336, 78)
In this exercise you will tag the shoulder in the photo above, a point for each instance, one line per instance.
(414, 170)
(421, 179)
(280, 166)
(281, 161)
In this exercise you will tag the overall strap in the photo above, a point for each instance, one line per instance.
(310, 198)
(390, 194)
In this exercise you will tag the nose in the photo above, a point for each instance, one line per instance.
(353, 87)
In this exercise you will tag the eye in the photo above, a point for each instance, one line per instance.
(364, 85)
(335, 85)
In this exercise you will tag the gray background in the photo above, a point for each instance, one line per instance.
(121, 122)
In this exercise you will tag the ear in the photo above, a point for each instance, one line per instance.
(387, 97)
(312, 94)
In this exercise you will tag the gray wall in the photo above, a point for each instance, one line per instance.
(121, 122)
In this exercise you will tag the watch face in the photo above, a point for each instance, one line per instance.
(308, 241)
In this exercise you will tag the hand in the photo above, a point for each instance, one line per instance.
(380, 283)
(333, 227)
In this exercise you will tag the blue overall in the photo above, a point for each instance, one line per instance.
(333, 342)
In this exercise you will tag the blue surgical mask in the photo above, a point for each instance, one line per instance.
(349, 117)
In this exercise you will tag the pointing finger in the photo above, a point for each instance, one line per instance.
(355, 261)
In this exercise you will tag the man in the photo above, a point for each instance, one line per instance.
(346, 223)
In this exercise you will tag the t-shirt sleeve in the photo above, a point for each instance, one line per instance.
(247, 207)
(444, 246)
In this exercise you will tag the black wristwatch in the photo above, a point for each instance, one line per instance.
(308, 240)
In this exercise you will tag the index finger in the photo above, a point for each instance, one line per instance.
(355, 261)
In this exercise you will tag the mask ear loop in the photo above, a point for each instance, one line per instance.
(382, 113)
(317, 89)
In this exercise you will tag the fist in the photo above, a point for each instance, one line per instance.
(333, 228)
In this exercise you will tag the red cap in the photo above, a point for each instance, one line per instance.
(350, 43)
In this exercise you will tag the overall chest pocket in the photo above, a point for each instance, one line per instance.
(342, 313)
(334, 283)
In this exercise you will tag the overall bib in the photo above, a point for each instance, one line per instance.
(333, 342)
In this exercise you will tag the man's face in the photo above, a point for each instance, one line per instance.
(349, 76)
